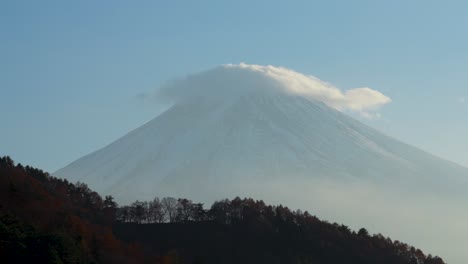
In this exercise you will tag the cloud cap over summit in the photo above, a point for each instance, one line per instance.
(230, 81)
(260, 131)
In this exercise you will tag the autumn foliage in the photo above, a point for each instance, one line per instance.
(44, 219)
(48, 220)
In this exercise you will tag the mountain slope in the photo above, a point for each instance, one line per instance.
(205, 148)
(274, 134)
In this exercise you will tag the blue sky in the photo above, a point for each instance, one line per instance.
(71, 71)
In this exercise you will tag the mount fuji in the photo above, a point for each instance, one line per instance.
(237, 128)
(278, 135)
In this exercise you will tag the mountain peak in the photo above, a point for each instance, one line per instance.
(231, 81)
(238, 123)
(259, 131)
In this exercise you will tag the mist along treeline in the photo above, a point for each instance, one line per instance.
(249, 231)
(44, 219)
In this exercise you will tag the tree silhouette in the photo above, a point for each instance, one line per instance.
(170, 206)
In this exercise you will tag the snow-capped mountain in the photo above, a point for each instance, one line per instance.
(274, 134)
(236, 128)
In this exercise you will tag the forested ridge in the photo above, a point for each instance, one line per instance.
(44, 219)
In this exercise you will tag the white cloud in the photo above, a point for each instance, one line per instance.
(232, 80)
(461, 100)
(362, 100)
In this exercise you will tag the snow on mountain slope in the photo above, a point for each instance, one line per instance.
(274, 134)
(238, 124)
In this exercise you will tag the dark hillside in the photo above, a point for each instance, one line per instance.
(48, 220)
(248, 231)
(44, 219)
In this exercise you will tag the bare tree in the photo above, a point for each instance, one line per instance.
(169, 206)
(139, 211)
(124, 214)
(185, 210)
(155, 211)
(198, 212)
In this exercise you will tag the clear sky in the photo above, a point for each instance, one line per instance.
(72, 72)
